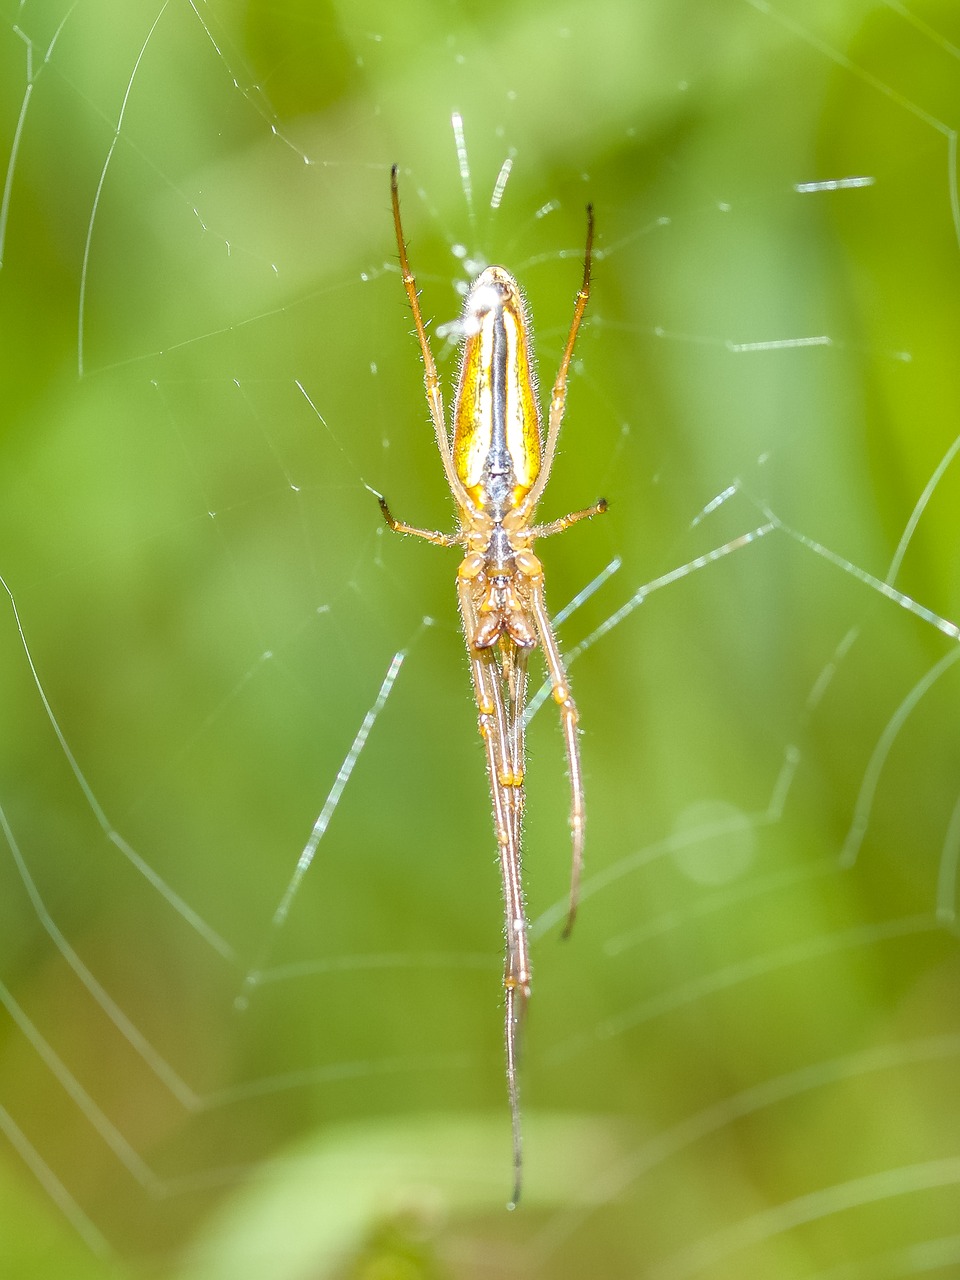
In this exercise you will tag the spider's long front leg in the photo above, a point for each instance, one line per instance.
(509, 671)
(505, 765)
(503, 740)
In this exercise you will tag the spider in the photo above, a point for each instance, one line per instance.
(497, 468)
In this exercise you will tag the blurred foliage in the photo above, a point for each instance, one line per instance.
(745, 1061)
(395, 1250)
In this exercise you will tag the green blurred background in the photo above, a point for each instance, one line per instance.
(745, 1061)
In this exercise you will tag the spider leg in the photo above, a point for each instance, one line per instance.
(431, 535)
(509, 670)
(568, 721)
(515, 1004)
(517, 986)
(558, 526)
(430, 377)
(503, 742)
(558, 397)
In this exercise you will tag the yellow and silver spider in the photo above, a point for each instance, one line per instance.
(497, 467)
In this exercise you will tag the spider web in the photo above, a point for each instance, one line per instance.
(250, 943)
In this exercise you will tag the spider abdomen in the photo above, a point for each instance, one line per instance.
(496, 430)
